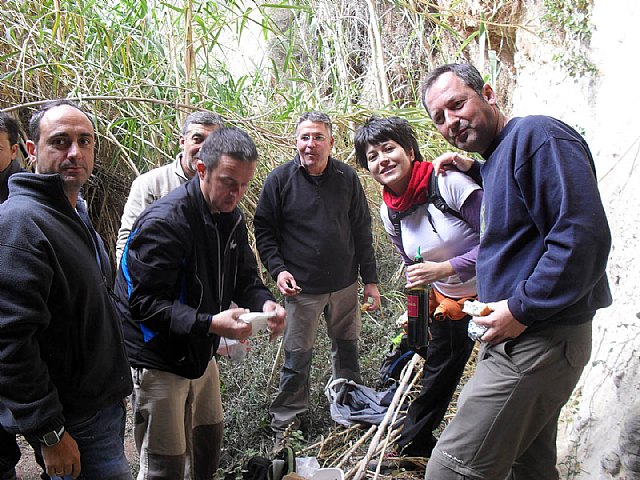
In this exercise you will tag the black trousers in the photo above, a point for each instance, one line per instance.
(9, 454)
(445, 358)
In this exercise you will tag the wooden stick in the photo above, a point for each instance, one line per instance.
(274, 368)
(385, 421)
(333, 436)
(347, 455)
(394, 433)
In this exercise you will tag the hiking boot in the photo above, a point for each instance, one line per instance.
(413, 450)
(392, 462)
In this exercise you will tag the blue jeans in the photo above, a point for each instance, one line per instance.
(9, 455)
(100, 439)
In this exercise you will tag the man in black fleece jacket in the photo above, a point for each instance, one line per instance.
(544, 245)
(313, 232)
(63, 368)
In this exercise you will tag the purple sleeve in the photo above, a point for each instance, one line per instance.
(465, 265)
(470, 209)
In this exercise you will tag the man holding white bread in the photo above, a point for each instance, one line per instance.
(186, 260)
(544, 246)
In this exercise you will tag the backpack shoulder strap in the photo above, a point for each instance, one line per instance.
(436, 198)
(396, 217)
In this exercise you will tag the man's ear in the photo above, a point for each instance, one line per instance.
(181, 142)
(14, 151)
(201, 168)
(488, 94)
(31, 150)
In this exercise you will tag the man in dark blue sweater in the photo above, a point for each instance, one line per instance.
(541, 269)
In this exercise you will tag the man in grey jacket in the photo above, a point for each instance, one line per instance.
(156, 183)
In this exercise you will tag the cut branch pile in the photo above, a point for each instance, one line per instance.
(358, 448)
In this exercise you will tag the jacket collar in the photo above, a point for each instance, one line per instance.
(177, 167)
(511, 124)
(331, 167)
(45, 188)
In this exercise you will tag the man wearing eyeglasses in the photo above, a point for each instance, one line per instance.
(313, 233)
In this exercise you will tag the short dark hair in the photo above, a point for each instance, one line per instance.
(464, 71)
(202, 118)
(10, 127)
(315, 116)
(230, 141)
(34, 122)
(377, 130)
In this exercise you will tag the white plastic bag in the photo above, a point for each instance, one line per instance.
(234, 350)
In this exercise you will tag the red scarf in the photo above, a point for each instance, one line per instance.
(416, 192)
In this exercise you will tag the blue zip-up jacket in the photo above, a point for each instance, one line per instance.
(545, 239)
(181, 265)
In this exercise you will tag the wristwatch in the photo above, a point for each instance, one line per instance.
(53, 437)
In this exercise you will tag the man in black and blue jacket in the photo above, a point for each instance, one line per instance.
(186, 260)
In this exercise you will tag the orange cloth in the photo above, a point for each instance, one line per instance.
(441, 306)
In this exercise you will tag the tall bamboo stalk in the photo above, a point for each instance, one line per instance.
(378, 56)
(189, 55)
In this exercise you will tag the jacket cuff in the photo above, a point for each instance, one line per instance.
(371, 278)
(54, 424)
(202, 324)
(277, 271)
(515, 307)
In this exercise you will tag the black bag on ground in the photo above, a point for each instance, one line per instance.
(394, 362)
(257, 468)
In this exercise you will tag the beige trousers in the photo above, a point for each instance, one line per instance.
(177, 424)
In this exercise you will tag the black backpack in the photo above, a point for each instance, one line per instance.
(434, 197)
(262, 468)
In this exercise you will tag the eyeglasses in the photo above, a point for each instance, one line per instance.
(315, 138)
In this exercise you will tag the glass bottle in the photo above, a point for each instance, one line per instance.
(418, 312)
